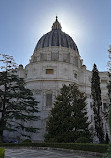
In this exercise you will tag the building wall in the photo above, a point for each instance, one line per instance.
(48, 70)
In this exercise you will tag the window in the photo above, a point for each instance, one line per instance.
(75, 75)
(91, 118)
(48, 99)
(91, 105)
(49, 71)
(104, 106)
(103, 81)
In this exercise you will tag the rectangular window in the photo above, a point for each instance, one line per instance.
(104, 106)
(75, 75)
(103, 81)
(49, 71)
(49, 99)
(91, 118)
(91, 105)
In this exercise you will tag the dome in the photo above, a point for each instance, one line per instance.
(56, 38)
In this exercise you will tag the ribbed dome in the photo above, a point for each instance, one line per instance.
(56, 38)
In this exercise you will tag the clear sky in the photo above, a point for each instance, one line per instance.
(88, 22)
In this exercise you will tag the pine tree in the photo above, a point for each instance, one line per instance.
(97, 103)
(68, 121)
(17, 104)
(59, 121)
(79, 113)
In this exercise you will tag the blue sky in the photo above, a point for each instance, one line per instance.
(88, 22)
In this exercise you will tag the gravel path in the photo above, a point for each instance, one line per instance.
(42, 153)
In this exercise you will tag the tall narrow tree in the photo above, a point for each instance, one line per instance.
(17, 104)
(109, 87)
(109, 84)
(97, 103)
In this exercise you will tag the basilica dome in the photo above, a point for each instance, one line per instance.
(56, 37)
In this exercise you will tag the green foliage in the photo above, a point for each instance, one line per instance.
(109, 94)
(18, 106)
(109, 62)
(2, 152)
(97, 103)
(100, 148)
(27, 141)
(108, 154)
(68, 121)
(82, 140)
(109, 87)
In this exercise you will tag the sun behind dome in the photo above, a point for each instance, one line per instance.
(56, 38)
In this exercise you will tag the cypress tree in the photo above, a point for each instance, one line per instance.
(97, 103)
(109, 88)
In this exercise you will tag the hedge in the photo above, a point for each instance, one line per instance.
(101, 148)
(2, 152)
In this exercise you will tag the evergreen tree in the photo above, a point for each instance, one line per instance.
(97, 103)
(79, 113)
(17, 104)
(109, 84)
(68, 121)
(109, 88)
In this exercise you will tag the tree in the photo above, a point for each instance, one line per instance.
(67, 120)
(109, 88)
(79, 111)
(109, 62)
(17, 104)
(97, 103)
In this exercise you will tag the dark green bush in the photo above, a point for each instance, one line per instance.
(82, 140)
(2, 153)
(108, 154)
(101, 148)
(27, 141)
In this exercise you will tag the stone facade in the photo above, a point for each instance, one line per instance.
(55, 62)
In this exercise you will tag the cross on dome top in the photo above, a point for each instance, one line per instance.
(56, 25)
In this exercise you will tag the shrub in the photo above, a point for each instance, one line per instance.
(108, 154)
(100, 148)
(2, 152)
(27, 141)
(82, 140)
